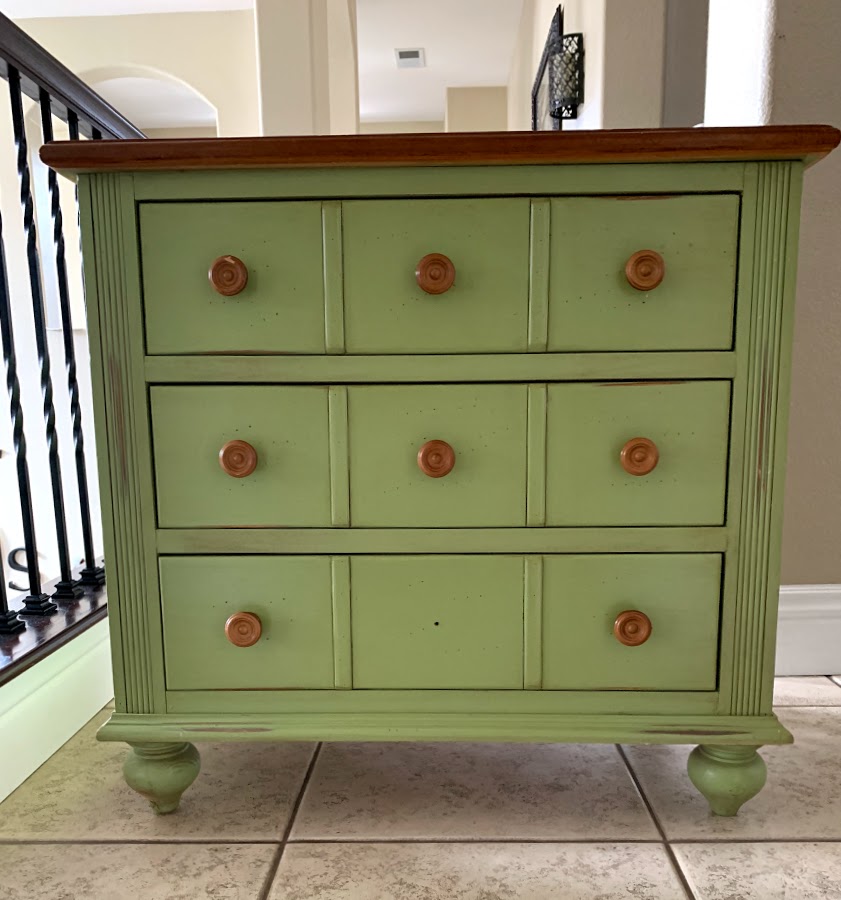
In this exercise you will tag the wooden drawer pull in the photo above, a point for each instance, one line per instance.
(639, 456)
(645, 270)
(632, 628)
(243, 629)
(228, 275)
(238, 459)
(435, 273)
(436, 459)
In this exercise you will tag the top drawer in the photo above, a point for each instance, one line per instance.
(465, 275)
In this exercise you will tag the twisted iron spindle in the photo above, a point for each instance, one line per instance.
(66, 588)
(91, 574)
(35, 603)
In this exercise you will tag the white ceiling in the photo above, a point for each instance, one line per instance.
(468, 43)
(39, 9)
(151, 103)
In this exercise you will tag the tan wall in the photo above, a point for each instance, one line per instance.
(476, 109)
(159, 133)
(400, 127)
(214, 53)
(806, 73)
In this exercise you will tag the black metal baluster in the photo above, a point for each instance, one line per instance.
(9, 621)
(66, 588)
(35, 603)
(91, 574)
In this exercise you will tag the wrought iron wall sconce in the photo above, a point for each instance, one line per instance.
(559, 86)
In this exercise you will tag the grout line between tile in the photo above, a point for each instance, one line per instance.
(275, 863)
(679, 873)
(488, 840)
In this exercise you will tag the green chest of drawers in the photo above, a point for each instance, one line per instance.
(443, 438)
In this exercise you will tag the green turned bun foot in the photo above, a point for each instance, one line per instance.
(161, 773)
(726, 776)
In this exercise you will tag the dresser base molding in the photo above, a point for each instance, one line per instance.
(502, 727)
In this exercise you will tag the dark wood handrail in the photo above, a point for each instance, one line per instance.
(66, 90)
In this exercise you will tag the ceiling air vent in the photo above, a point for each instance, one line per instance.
(414, 58)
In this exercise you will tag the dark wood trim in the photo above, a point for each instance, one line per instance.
(38, 68)
(45, 634)
(807, 142)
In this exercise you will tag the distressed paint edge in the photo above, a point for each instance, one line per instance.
(342, 647)
(503, 727)
(536, 455)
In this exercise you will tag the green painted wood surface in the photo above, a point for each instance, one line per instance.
(444, 540)
(281, 308)
(399, 726)
(584, 594)
(486, 310)
(588, 424)
(287, 426)
(292, 597)
(440, 368)
(592, 306)
(485, 425)
(464, 702)
(437, 622)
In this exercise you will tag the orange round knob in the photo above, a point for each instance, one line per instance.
(632, 628)
(228, 275)
(436, 459)
(435, 273)
(639, 456)
(238, 459)
(243, 629)
(645, 270)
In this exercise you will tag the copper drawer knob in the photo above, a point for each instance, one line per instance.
(435, 273)
(639, 456)
(228, 275)
(436, 459)
(645, 270)
(238, 459)
(243, 629)
(632, 628)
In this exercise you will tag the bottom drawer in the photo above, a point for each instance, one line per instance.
(631, 621)
(285, 640)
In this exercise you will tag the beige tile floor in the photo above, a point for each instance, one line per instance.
(433, 822)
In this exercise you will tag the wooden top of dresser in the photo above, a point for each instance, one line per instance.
(805, 142)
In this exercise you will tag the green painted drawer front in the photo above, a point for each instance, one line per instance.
(287, 426)
(484, 424)
(437, 622)
(592, 305)
(290, 595)
(587, 426)
(281, 309)
(486, 310)
(583, 595)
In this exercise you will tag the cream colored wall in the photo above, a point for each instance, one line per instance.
(476, 109)
(160, 133)
(214, 53)
(400, 127)
(307, 65)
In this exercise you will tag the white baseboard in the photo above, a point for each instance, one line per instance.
(809, 630)
(46, 705)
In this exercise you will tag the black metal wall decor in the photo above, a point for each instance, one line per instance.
(558, 89)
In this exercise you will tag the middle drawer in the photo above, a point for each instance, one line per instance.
(441, 456)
